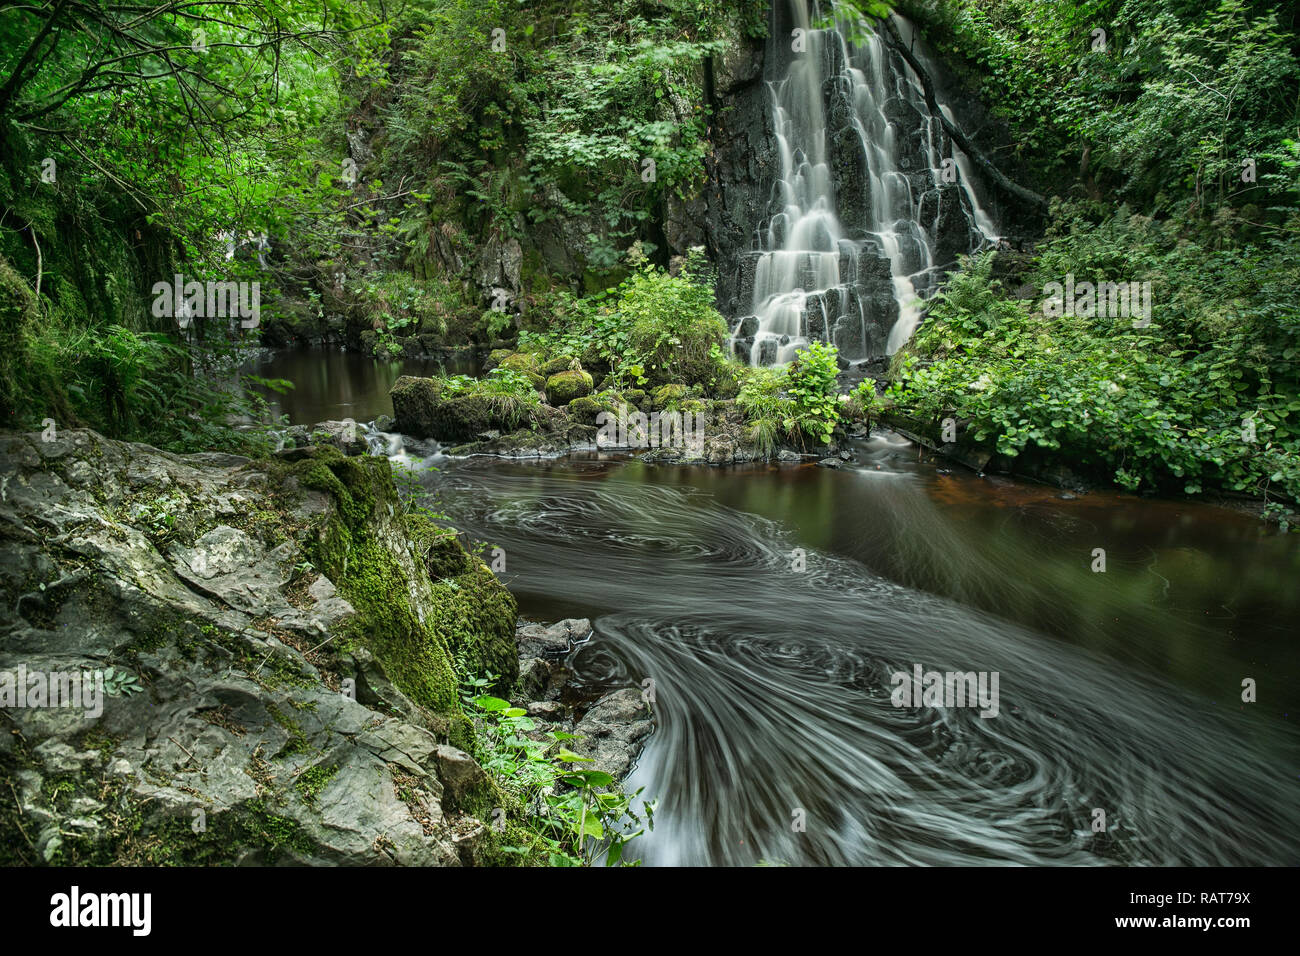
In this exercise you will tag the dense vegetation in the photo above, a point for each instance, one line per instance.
(378, 150)
(505, 175)
(1172, 139)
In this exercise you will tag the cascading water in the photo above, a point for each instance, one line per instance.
(872, 200)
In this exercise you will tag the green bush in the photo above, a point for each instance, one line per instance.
(651, 330)
(1207, 395)
(799, 402)
(810, 381)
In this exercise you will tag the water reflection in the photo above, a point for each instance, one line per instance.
(332, 384)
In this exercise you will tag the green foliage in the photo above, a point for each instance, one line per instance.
(575, 814)
(765, 408)
(1207, 396)
(653, 329)
(1161, 111)
(396, 301)
(799, 402)
(509, 393)
(135, 385)
(502, 381)
(865, 403)
(508, 116)
(810, 382)
(132, 138)
(120, 683)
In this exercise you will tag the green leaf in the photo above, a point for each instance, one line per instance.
(588, 824)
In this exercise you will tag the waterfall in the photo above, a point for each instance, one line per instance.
(873, 199)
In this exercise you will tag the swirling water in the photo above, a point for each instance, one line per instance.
(1119, 691)
(777, 739)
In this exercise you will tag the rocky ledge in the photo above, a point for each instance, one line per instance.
(673, 423)
(276, 640)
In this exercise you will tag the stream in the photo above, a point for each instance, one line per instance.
(770, 605)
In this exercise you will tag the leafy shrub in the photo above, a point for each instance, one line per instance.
(676, 334)
(1207, 395)
(799, 402)
(864, 403)
(810, 382)
(652, 329)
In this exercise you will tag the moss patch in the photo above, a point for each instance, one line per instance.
(347, 547)
(564, 387)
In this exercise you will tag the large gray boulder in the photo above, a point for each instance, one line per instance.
(245, 723)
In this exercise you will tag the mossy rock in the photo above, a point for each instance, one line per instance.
(727, 382)
(495, 358)
(467, 614)
(637, 398)
(475, 614)
(585, 408)
(354, 547)
(421, 410)
(695, 406)
(667, 395)
(521, 362)
(465, 417)
(564, 387)
(594, 361)
(561, 363)
(18, 308)
(414, 400)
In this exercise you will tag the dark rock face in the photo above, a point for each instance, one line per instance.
(925, 201)
(742, 169)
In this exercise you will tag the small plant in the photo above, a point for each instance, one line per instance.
(811, 385)
(120, 684)
(865, 403)
(578, 813)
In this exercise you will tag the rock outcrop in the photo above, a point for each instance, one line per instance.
(281, 636)
(672, 425)
(610, 729)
